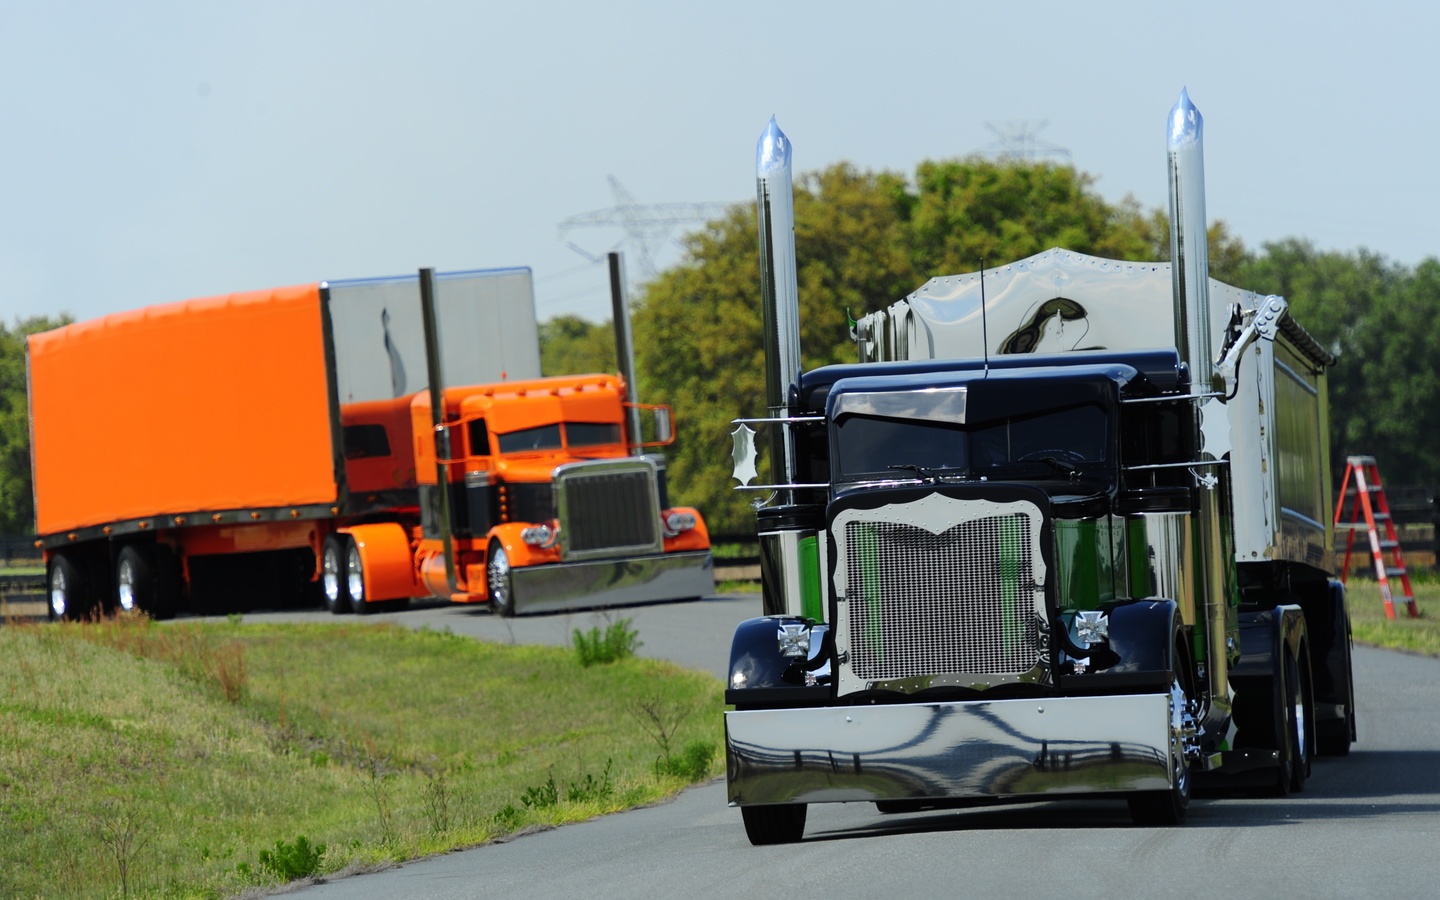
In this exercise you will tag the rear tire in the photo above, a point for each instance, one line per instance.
(355, 579)
(784, 824)
(1289, 777)
(332, 574)
(1301, 724)
(67, 589)
(136, 588)
(499, 583)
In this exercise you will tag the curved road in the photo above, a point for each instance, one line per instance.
(1366, 825)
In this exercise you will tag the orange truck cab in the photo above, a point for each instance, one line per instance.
(544, 507)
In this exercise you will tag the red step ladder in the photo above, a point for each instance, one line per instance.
(1377, 511)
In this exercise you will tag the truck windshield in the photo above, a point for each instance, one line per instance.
(560, 434)
(1067, 441)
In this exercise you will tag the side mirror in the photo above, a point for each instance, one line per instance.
(664, 433)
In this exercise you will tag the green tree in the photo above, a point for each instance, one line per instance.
(17, 497)
(1370, 313)
(570, 345)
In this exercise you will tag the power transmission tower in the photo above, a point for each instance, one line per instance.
(647, 226)
(1017, 141)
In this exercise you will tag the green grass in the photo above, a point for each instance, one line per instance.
(183, 761)
(1367, 616)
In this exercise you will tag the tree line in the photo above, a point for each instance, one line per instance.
(866, 239)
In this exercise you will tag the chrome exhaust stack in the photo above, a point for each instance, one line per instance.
(1190, 273)
(1189, 251)
(779, 294)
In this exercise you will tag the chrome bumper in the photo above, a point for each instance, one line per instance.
(613, 582)
(948, 750)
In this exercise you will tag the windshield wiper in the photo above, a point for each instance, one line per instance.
(1068, 468)
(928, 473)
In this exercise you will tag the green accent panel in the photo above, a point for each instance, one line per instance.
(1012, 550)
(867, 554)
(1083, 565)
(810, 605)
(1138, 557)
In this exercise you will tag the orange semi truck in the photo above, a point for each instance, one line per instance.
(286, 445)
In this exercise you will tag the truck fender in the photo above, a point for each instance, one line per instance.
(385, 560)
(761, 677)
(1266, 636)
(519, 552)
(1327, 620)
(1143, 634)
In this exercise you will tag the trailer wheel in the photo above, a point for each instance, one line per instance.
(332, 574)
(355, 579)
(783, 824)
(67, 589)
(498, 582)
(1169, 807)
(135, 585)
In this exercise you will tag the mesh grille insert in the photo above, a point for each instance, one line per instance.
(926, 604)
(610, 510)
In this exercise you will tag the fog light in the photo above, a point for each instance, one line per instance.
(677, 522)
(1091, 627)
(539, 536)
(794, 641)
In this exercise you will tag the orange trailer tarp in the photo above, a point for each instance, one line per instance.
(213, 404)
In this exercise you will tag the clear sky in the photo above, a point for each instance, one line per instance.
(155, 151)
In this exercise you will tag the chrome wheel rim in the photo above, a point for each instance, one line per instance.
(497, 577)
(355, 574)
(125, 585)
(330, 575)
(58, 591)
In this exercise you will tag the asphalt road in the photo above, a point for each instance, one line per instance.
(1366, 825)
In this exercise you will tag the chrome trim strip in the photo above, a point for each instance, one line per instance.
(779, 487)
(1180, 465)
(613, 582)
(1301, 517)
(1045, 746)
(777, 419)
(1171, 398)
(1299, 379)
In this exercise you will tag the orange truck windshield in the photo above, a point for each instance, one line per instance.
(558, 435)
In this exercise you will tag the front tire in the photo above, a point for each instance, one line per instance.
(332, 574)
(783, 824)
(1169, 807)
(499, 583)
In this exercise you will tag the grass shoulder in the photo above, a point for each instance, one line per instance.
(1370, 625)
(200, 759)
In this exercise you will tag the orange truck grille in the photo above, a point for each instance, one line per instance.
(608, 508)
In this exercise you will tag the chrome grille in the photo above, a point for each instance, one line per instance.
(608, 508)
(962, 601)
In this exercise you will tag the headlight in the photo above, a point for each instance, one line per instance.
(677, 522)
(538, 536)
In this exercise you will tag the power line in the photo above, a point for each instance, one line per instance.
(647, 226)
(1017, 141)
